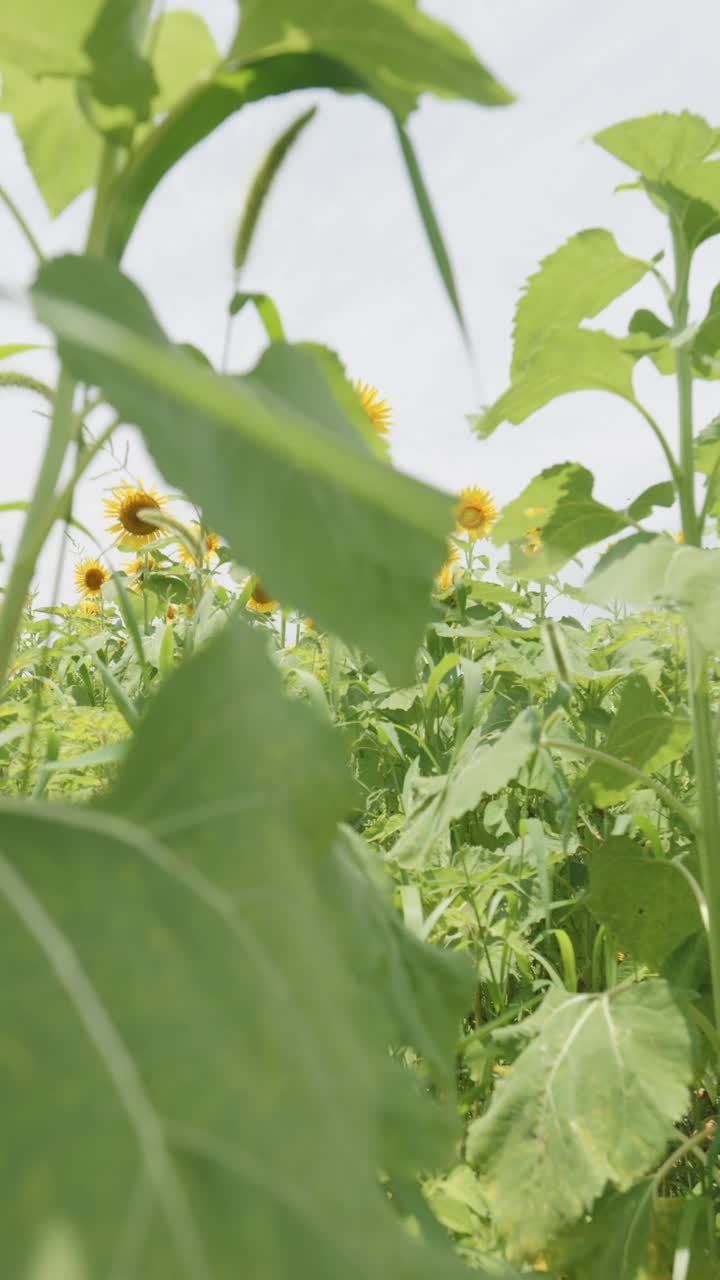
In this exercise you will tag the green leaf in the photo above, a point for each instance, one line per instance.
(641, 734)
(46, 39)
(432, 226)
(18, 348)
(553, 518)
(120, 75)
(262, 185)
(49, 123)
(575, 283)
(646, 902)
(202, 989)
(266, 309)
(658, 146)
(646, 325)
(395, 49)
(568, 360)
(183, 52)
(271, 459)
(657, 495)
(632, 571)
(482, 768)
(706, 344)
(692, 580)
(707, 462)
(620, 1060)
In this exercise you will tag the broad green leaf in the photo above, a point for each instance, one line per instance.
(591, 1099)
(575, 283)
(183, 52)
(632, 571)
(658, 146)
(646, 902)
(568, 360)
(491, 593)
(262, 185)
(657, 495)
(50, 123)
(482, 768)
(271, 459)
(553, 518)
(692, 581)
(642, 734)
(47, 39)
(656, 334)
(120, 76)
(706, 344)
(195, 1071)
(398, 51)
(707, 461)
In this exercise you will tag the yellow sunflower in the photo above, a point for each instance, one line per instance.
(89, 578)
(136, 571)
(211, 541)
(475, 513)
(259, 600)
(88, 609)
(377, 409)
(446, 575)
(129, 527)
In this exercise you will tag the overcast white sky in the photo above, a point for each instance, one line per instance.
(343, 254)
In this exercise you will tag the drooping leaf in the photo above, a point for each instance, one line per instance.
(568, 360)
(646, 902)
(706, 344)
(202, 1002)
(643, 734)
(707, 461)
(553, 518)
(395, 49)
(482, 768)
(266, 309)
(657, 495)
(262, 184)
(574, 283)
(50, 123)
(644, 324)
(338, 534)
(621, 1060)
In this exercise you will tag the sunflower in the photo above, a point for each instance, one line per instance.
(136, 571)
(377, 410)
(475, 513)
(89, 578)
(88, 609)
(259, 600)
(446, 575)
(123, 508)
(210, 540)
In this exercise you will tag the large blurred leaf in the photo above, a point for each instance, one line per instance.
(633, 570)
(395, 49)
(183, 51)
(49, 123)
(692, 581)
(591, 1099)
(576, 282)
(554, 517)
(568, 360)
(195, 1066)
(45, 38)
(272, 460)
(642, 734)
(120, 75)
(646, 902)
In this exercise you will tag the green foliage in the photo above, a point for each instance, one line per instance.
(586, 1054)
(645, 901)
(642, 734)
(262, 184)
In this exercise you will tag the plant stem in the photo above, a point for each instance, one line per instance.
(22, 224)
(703, 736)
(603, 757)
(34, 529)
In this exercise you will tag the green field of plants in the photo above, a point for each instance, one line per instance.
(359, 842)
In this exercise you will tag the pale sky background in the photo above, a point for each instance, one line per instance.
(343, 254)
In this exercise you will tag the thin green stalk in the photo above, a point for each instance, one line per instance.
(703, 736)
(22, 224)
(34, 529)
